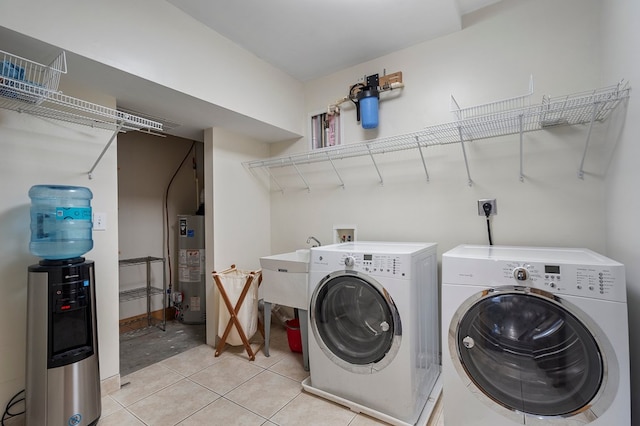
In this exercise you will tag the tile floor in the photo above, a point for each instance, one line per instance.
(196, 388)
(142, 347)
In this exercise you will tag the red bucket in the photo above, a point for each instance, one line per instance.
(293, 335)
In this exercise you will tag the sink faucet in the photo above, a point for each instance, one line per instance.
(314, 239)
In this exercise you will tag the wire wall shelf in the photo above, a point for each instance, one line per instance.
(504, 105)
(24, 97)
(29, 87)
(19, 73)
(482, 122)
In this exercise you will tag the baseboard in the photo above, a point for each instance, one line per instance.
(141, 321)
(110, 385)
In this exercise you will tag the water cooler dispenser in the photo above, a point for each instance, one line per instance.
(62, 368)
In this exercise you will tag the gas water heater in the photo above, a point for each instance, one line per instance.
(191, 269)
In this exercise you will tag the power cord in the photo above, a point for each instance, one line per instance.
(487, 212)
(166, 213)
(14, 401)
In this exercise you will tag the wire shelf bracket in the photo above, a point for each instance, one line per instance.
(596, 106)
(104, 150)
(464, 154)
(521, 120)
(375, 165)
(274, 179)
(301, 175)
(335, 170)
(424, 164)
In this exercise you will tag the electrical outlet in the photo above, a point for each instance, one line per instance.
(99, 221)
(492, 202)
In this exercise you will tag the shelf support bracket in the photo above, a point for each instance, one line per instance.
(335, 170)
(300, 174)
(596, 105)
(520, 123)
(424, 164)
(464, 153)
(104, 150)
(274, 179)
(375, 165)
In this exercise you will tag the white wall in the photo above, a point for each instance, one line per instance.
(146, 165)
(621, 42)
(42, 151)
(560, 43)
(240, 213)
(158, 42)
(568, 46)
(240, 204)
(490, 59)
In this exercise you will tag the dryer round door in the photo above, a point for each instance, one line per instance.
(355, 322)
(530, 352)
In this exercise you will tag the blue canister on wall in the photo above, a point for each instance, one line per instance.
(368, 100)
(60, 221)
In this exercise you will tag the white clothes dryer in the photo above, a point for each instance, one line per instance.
(373, 328)
(535, 336)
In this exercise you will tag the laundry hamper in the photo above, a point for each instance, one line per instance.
(238, 309)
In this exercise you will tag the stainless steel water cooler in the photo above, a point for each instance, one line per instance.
(63, 375)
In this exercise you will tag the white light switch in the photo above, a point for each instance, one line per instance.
(99, 221)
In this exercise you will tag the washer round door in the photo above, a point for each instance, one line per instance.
(530, 352)
(355, 322)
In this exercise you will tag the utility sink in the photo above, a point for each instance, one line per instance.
(295, 261)
(285, 278)
(285, 281)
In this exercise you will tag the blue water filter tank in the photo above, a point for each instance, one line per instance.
(60, 221)
(369, 110)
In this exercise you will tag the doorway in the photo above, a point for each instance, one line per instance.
(159, 178)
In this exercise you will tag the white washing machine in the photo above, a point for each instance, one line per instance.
(535, 336)
(373, 328)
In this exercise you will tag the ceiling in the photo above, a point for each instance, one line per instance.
(309, 40)
(282, 32)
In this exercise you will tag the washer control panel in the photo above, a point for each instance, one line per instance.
(561, 271)
(388, 265)
(585, 280)
(521, 274)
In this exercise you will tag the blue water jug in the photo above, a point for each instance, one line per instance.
(60, 221)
